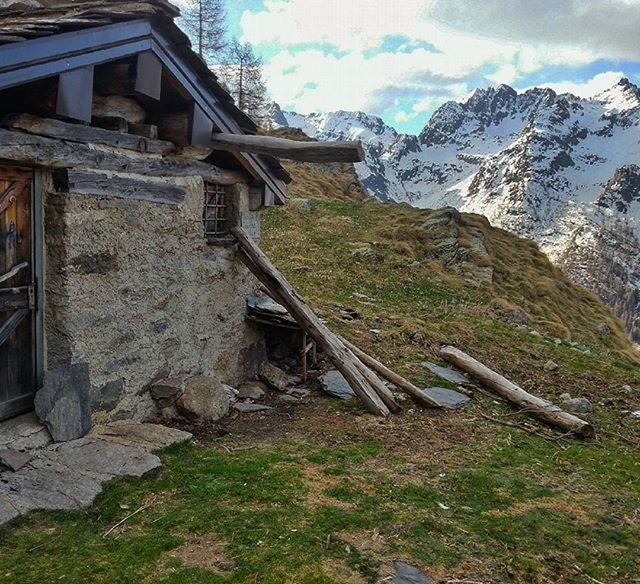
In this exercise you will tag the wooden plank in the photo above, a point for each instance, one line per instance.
(75, 94)
(86, 134)
(14, 298)
(531, 404)
(85, 182)
(289, 149)
(277, 284)
(200, 127)
(14, 271)
(41, 151)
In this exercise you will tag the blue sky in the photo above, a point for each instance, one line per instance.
(401, 60)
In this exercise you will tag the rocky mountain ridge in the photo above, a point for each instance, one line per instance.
(556, 168)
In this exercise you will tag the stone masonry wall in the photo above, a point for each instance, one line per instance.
(134, 290)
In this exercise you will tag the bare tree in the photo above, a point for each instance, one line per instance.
(205, 23)
(241, 72)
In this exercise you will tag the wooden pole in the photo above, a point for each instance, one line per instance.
(291, 149)
(400, 382)
(260, 265)
(531, 404)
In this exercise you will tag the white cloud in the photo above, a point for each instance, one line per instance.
(588, 88)
(328, 61)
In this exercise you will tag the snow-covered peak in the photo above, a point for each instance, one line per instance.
(623, 96)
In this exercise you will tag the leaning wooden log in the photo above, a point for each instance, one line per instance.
(290, 149)
(85, 134)
(260, 265)
(530, 404)
(40, 151)
(400, 382)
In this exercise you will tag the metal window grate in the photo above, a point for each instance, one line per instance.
(216, 211)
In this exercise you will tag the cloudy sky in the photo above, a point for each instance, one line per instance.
(401, 59)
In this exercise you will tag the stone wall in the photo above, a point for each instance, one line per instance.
(134, 290)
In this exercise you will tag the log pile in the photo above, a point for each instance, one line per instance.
(363, 372)
(360, 370)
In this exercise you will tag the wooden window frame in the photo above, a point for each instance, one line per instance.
(218, 213)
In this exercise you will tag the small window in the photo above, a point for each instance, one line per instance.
(217, 213)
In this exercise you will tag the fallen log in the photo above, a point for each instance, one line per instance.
(531, 404)
(400, 382)
(290, 149)
(346, 362)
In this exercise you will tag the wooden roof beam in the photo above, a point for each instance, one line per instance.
(289, 149)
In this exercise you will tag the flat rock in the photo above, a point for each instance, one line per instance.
(251, 390)
(64, 402)
(24, 432)
(274, 376)
(100, 459)
(204, 399)
(150, 437)
(334, 383)
(448, 398)
(14, 459)
(304, 205)
(446, 373)
(249, 407)
(408, 574)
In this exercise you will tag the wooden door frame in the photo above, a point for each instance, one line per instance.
(38, 269)
(38, 258)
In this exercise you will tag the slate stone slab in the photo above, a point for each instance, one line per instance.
(408, 574)
(14, 459)
(336, 385)
(64, 402)
(448, 398)
(24, 433)
(7, 510)
(246, 408)
(446, 373)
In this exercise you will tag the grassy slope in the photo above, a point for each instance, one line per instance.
(320, 493)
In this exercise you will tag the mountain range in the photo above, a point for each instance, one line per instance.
(556, 168)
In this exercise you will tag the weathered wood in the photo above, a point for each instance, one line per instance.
(14, 298)
(41, 151)
(86, 182)
(14, 271)
(8, 197)
(12, 323)
(400, 382)
(86, 134)
(531, 404)
(276, 283)
(289, 149)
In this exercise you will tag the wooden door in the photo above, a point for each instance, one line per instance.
(17, 298)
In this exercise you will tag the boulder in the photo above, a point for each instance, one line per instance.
(204, 399)
(303, 205)
(167, 391)
(551, 366)
(251, 390)
(580, 405)
(274, 376)
(64, 402)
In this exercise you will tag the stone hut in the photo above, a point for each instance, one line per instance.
(115, 208)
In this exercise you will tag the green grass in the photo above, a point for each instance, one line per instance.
(328, 495)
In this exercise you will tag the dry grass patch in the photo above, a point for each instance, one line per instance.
(202, 552)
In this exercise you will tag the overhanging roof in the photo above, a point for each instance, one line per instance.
(93, 43)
